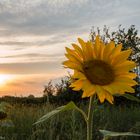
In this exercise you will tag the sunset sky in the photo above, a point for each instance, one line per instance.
(34, 33)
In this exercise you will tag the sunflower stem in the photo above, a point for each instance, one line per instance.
(90, 119)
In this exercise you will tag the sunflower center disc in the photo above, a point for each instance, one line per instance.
(98, 72)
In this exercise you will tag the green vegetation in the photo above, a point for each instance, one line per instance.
(69, 125)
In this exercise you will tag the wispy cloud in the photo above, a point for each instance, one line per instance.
(47, 17)
(31, 67)
(33, 55)
(33, 34)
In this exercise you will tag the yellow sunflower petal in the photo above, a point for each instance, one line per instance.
(128, 75)
(109, 97)
(126, 80)
(89, 47)
(97, 47)
(77, 84)
(73, 58)
(69, 50)
(117, 87)
(102, 51)
(125, 66)
(111, 88)
(86, 84)
(83, 44)
(100, 94)
(89, 92)
(112, 46)
(78, 75)
(103, 94)
(122, 56)
(85, 50)
(78, 49)
(72, 52)
(124, 87)
(85, 94)
(108, 51)
(73, 65)
(116, 50)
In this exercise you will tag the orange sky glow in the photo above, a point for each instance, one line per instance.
(34, 34)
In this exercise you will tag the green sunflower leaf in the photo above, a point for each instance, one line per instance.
(71, 105)
(129, 97)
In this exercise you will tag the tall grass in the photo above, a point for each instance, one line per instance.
(70, 125)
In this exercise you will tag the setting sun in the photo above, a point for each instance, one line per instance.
(4, 78)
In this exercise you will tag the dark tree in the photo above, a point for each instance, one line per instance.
(128, 37)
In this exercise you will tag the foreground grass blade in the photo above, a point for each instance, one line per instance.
(108, 134)
(71, 105)
(129, 97)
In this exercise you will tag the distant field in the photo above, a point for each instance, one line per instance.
(69, 125)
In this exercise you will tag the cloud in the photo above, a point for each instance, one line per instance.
(33, 34)
(47, 17)
(44, 41)
(31, 67)
(49, 24)
(33, 55)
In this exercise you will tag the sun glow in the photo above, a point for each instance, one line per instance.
(4, 79)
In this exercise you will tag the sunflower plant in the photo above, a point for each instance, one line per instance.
(101, 71)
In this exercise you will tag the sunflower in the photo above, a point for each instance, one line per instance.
(101, 69)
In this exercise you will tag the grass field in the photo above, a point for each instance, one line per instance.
(68, 125)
